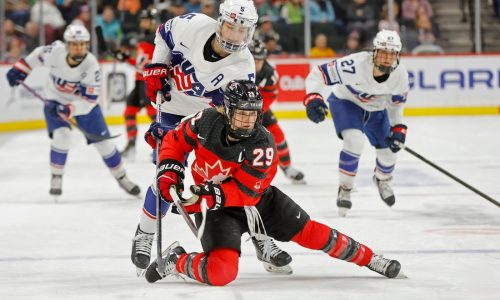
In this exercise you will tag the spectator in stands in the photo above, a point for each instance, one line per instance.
(384, 18)
(31, 36)
(51, 15)
(361, 17)
(176, 8)
(111, 28)
(83, 18)
(410, 7)
(208, 8)
(266, 28)
(18, 11)
(128, 11)
(354, 43)
(15, 50)
(192, 6)
(321, 11)
(10, 31)
(292, 12)
(270, 8)
(272, 45)
(321, 49)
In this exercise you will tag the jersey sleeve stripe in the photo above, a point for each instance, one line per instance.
(253, 172)
(398, 99)
(330, 73)
(244, 188)
(188, 134)
(167, 36)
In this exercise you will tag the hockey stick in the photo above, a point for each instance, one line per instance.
(90, 136)
(159, 258)
(412, 152)
(198, 232)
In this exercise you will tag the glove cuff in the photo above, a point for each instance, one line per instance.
(22, 66)
(155, 70)
(400, 128)
(312, 96)
(170, 165)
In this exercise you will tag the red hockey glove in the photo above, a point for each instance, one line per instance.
(156, 79)
(212, 193)
(170, 172)
(397, 137)
(315, 107)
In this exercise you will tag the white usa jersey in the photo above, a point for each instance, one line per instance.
(78, 85)
(351, 78)
(194, 81)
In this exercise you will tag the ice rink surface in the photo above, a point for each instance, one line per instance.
(446, 237)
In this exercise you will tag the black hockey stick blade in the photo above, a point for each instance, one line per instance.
(470, 187)
(101, 43)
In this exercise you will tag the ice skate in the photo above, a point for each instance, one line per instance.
(141, 250)
(279, 260)
(385, 191)
(344, 201)
(128, 186)
(56, 186)
(170, 256)
(129, 151)
(295, 175)
(387, 267)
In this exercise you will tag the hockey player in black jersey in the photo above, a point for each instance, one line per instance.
(235, 163)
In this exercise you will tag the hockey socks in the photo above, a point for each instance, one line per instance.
(131, 121)
(219, 268)
(318, 236)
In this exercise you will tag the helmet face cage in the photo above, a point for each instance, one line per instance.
(239, 96)
(258, 50)
(387, 40)
(239, 13)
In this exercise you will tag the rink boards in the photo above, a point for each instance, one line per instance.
(439, 85)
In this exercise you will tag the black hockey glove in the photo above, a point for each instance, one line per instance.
(212, 193)
(315, 107)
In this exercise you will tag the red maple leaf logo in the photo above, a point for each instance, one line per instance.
(215, 173)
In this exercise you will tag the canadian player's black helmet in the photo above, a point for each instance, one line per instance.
(258, 49)
(243, 108)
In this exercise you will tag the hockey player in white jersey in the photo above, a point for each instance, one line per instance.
(366, 92)
(194, 58)
(72, 91)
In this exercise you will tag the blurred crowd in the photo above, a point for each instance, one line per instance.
(338, 26)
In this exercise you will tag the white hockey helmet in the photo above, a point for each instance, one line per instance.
(387, 40)
(76, 33)
(240, 13)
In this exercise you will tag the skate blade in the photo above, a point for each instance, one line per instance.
(140, 272)
(343, 211)
(56, 198)
(401, 275)
(284, 270)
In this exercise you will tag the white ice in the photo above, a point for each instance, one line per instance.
(446, 237)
